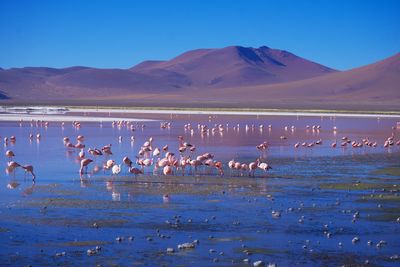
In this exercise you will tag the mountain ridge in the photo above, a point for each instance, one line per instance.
(233, 75)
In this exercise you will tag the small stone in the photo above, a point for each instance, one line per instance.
(131, 238)
(91, 252)
(118, 239)
(98, 248)
(212, 251)
(276, 214)
(60, 254)
(246, 260)
(369, 243)
(381, 243)
(258, 263)
(186, 246)
(355, 240)
(170, 250)
(149, 239)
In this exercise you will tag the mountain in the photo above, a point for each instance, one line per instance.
(233, 76)
(374, 86)
(236, 66)
(195, 69)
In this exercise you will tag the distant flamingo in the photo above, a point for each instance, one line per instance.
(95, 152)
(10, 154)
(264, 166)
(81, 154)
(135, 171)
(253, 167)
(116, 169)
(29, 169)
(167, 170)
(84, 164)
(127, 161)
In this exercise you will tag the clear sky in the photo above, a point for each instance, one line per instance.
(119, 34)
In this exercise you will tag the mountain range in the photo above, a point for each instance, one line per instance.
(233, 76)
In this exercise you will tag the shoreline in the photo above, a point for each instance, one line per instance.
(232, 112)
(64, 118)
(178, 111)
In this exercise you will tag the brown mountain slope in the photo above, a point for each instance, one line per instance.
(227, 77)
(376, 84)
(237, 66)
(216, 68)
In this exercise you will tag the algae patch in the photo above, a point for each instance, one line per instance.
(392, 171)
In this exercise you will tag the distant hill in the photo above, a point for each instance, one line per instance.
(233, 76)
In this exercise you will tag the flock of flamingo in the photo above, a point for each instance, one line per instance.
(170, 163)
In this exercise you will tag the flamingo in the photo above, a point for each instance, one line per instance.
(218, 166)
(145, 163)
(29, 169)
(79, 145)
(95, 152)
(252, 167)
(182, 163)
(167, 170)
(237, 166)
(231, 165)
(116, 169)
(10, 154)
(195, 163)
(81, 154)
(84, 164)
(11, 166)
(244, 167)
(264, 166)
(127, 161)
(107, 149)
(156, 152)
(135, 171)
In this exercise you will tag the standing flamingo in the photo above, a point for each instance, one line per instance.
(84, 164)
(29, 169)
(264, 166)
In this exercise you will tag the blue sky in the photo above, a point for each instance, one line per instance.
(119, 34)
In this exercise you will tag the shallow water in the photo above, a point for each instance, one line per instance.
(230, 214)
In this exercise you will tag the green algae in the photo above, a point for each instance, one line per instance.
(381, 198)
(392, 171)
(261, 251)
(90, 243)
(357, 186)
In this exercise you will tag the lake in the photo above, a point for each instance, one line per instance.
(318, 205)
